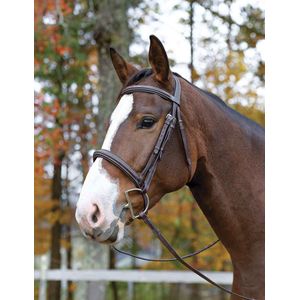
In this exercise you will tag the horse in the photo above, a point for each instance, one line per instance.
(211, 148)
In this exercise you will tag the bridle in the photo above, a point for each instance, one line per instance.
(143, 179)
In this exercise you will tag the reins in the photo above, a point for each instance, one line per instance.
(143, 180)
(167, 259)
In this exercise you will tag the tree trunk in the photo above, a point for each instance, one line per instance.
(69, 261)
(68, 230)
(111, 30)
(54, 287)
(195, 288)
(112, 266)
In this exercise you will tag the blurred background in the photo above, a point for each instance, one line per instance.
(216, 44)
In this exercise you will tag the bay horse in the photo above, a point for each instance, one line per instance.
(196, 140)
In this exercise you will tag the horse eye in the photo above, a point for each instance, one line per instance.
(146, 123)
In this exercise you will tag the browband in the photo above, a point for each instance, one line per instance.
(154, 90)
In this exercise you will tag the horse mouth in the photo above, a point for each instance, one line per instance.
(109, 237)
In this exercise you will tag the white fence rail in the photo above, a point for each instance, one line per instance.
(132, 276)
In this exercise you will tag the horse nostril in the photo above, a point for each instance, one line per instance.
(96, 214)
(94, 218)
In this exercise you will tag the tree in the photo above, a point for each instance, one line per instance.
(72, 108)
(111, 30)
(63, 71)
(224, 47)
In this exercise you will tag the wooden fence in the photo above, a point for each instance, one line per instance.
(129, 276)
(132, 276)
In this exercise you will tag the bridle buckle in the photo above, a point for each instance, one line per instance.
(129, 203)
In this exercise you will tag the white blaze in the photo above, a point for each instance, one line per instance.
(99, 187)
(119, 115)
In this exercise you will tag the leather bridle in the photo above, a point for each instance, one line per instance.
(143, 179)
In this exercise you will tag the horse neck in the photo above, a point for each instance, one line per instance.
(228, 182)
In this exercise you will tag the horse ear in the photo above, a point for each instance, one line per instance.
(159, 60)
(124, 70)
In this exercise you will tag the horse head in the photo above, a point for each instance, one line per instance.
(135, 127)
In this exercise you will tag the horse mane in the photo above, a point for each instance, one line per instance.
(139, 76)
(226, 108)
(144, 73)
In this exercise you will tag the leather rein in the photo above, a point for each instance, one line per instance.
(143, 179)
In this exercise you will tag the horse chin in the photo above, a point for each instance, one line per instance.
(115, 237)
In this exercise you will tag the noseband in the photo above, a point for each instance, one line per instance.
(143, 179)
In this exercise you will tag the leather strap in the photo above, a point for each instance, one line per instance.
(119, 163)
(185, 144)
(154, 90)
(159, 235)
(167, 259)
(157, 153)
